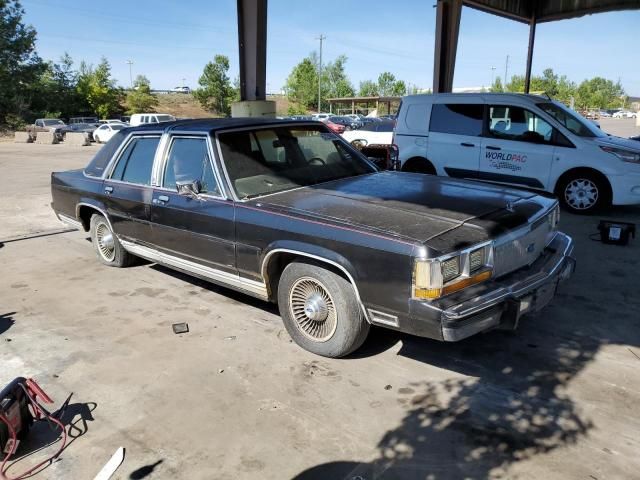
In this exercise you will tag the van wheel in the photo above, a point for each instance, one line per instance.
(583, 192)
(320, 310)
(109, 250)
(419, 165)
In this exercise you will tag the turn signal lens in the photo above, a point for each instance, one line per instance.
(466, 282)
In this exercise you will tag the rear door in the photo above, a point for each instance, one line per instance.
(127, 190)
(199, 230)
(455, 135)
(518, 148)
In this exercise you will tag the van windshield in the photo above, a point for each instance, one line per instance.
(571, 120)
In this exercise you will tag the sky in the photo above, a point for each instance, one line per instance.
(170, 42)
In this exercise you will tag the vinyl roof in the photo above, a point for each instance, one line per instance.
(549, 10)
(213, 124)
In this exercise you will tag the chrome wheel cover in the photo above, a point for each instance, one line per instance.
(105, 242)
(313, 310)
(581, 194)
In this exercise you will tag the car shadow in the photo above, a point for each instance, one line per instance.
(506, 400)
(6, 321)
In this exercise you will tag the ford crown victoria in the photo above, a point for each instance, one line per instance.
(289, 212)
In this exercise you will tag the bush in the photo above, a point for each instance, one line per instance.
(15, 122)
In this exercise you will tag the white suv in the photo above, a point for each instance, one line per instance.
(521, 140)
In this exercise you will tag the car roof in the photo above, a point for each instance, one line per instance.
(487, 96)
(215, 124)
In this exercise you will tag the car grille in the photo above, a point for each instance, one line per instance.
(518, 250)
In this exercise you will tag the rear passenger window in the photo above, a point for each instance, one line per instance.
(458, 119)
(416, 117)
(136, 161)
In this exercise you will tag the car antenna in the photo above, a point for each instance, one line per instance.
(547, 95)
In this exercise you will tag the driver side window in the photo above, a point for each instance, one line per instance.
(188, 160)
(519, 124)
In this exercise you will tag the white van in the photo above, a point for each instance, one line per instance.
(521, 140)
(142, 118)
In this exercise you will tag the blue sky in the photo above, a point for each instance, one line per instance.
(170, 40)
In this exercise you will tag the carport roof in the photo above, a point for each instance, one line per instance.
(548, 10)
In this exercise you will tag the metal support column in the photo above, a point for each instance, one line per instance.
(444, 59)
(252, 44)
(532, 39)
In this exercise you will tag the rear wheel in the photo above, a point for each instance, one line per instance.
(583, 192)
(109, 250)
(320, 310)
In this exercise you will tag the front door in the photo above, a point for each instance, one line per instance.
(199, 230)
(127, 190)
(455, 134)
(518, 148)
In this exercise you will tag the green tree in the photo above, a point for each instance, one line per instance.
(335, 82)
(99, 88)
(599, 92)
(386, 81)
(368, 88)
(215, 92)
(301, 86)
(497, 87)
(20, 65)
(140, 99)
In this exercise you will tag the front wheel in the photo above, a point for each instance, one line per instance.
(583, 193)
(320, 310)
(108, 248)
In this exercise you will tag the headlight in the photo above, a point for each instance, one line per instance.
(624, 155)
(435, 278)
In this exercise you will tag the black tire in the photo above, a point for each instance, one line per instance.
(344, 328)
(419, 165)
(583, 192)
(97, 139)
(108, 249)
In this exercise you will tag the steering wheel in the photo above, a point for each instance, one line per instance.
(316, 159)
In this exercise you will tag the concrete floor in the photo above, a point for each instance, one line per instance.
(235, 399)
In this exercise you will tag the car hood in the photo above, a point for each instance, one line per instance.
(442, 213)
(618, 142)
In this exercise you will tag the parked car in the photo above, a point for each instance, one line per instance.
(87, 128)
(104, 132)
(53, 125)
(89, 120)
(380, 133)
(347, 122)
(321, 116)
(624, 114)
(181, 90)
(368, 120)
(290, 213)
(334, 127)
(521, 140)
(142, 118)
(354, 116)
(604, 114)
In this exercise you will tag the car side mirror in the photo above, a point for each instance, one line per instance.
(359, 143)
(189, 188)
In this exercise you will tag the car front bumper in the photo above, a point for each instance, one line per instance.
(626, 188)
(501, 302)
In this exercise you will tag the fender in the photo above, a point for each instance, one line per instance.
(314, 252)
(95, 204)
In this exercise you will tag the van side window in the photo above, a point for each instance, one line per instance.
(457, 119)
(517, 123)
(136, 161)
(416, 117)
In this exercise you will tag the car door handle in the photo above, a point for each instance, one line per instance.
(108, 189)
(465, 144)
(162, 199)
(491, 147)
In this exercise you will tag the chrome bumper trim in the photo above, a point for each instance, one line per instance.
(554, 267)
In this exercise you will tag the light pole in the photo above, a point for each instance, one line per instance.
(130, 74)
(493, 71)
(321, 38)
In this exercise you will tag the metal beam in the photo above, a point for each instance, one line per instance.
(532, 39)
(252, 46)
(444, 59)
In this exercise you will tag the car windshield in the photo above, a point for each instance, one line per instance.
(117, 126)
(571, 120)
(53, 121)
(270, 160)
